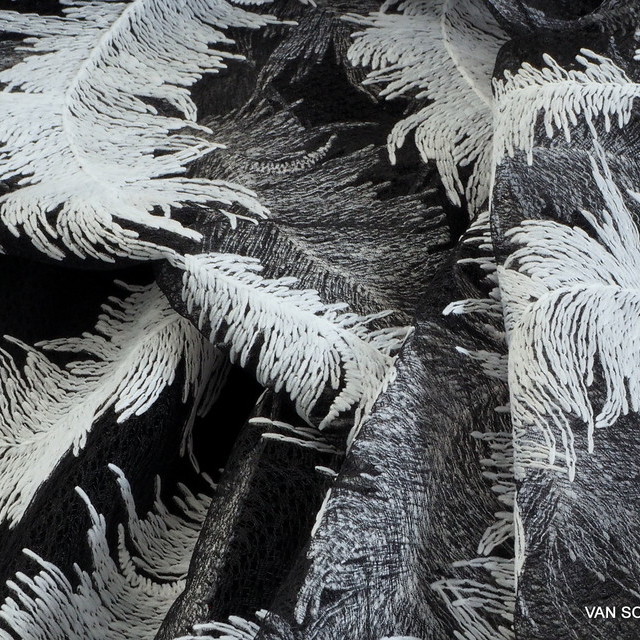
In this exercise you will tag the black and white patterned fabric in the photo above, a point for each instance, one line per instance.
(320, 320)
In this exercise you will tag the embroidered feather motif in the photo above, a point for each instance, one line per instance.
(91, 157)
(291, 330)
(123, 600)
(600, 89)
(442, 52)
(47, 411)
(236, 628)
(568, 299)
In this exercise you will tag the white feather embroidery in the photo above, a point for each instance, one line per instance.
(303, 346)
(473, 604)
(236, 628)
(601, 89)
(570, 299)
(87, 151)
(442, 51)
(123, 600)
(47, 411)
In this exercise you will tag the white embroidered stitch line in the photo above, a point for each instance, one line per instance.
(163, 538)
(443, 51)
(304, 437)
(47, 411)
(568, 298)
(470, 601)
(117, 600)
(236, 628)
(485, 311)
(328, 349)
(599, 90)
(83, 144)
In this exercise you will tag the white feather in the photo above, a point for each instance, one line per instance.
(161, 540)
(47, 411)
(236, 628)
(306, 347)
(442, 51)
(78, 134)
(571, 298)
(116, 600)
(600, 89)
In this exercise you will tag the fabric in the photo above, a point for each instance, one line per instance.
(320, 320)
